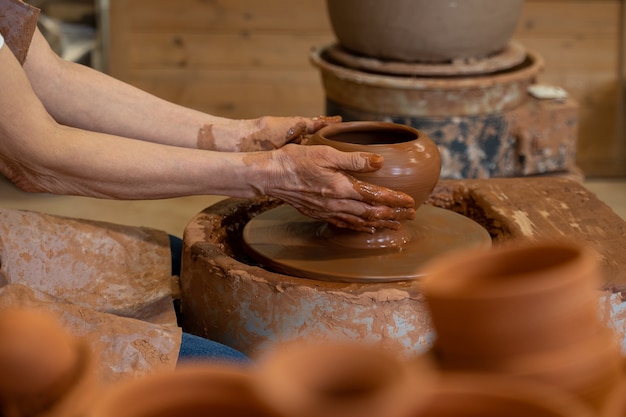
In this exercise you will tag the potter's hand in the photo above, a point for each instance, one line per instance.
(313, 179)
(262, 134)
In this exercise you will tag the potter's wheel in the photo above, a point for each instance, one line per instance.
(284, 240)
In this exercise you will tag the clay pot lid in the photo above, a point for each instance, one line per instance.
(512, 55)
(286, 241)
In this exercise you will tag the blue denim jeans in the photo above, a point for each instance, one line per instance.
(195, 347)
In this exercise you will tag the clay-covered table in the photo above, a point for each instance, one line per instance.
(225, 297)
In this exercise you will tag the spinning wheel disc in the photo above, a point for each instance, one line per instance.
(284, 240)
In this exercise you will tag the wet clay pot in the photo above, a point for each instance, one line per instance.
(44, 370)
(424, 30)
(469, 395)
(192, 390)
(342, 379)
(412, 160)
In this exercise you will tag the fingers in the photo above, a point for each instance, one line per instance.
(316, 123)
(370, 220)
(319, 186)
(381, 196)
(305, 126)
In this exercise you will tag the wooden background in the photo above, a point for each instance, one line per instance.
(247, 58)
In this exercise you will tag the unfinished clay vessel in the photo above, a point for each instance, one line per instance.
(424, 30)
(287, 241)
(342, 379)
(469, 395)
(412, 164)
(192, 390)
(44, 370)
(412, 160)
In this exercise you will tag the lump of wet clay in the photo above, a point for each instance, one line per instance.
(38, 359)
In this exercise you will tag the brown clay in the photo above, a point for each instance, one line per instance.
(347, 379)
(615, 403)
(285, 240)
(17, 26)
(424, 30)
(529, 310)
(45, 371)
(412, 161)
(469, 395)
(193, 390)
(515, 299)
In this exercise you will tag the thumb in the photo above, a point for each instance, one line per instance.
(365, 162)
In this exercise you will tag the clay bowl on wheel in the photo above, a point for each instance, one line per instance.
(412, 160)
(285, 240)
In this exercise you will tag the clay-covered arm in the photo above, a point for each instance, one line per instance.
(79, 96)
(41, 155)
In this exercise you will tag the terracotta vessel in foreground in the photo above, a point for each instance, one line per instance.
(342, 379)
(192, 390)
(44, 371)
(516, 299)
(527, 310)
(470, 395)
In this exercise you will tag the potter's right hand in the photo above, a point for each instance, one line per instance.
(315, 180)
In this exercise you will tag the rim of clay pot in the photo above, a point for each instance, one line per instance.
(490, 395)
(511, 270)
(533, 65)
(326, 133)
(341, 378)
(192, 390)
(513, 54)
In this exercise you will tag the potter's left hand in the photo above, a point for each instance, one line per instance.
(261, 134)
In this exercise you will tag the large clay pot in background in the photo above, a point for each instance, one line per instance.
(424, 30)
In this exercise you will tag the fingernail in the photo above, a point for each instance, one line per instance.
(375, 159)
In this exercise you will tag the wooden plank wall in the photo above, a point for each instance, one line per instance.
(581, 44)
(246, 58)
(235, 58)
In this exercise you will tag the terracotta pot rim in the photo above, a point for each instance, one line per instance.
(296, 379)
(451, 277)
(486, 81)
(185, 385)
(366, 126)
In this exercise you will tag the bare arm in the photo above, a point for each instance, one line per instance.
(82, 97)
(40, 154)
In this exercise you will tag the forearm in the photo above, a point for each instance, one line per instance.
(39, 154)
(82, 97)
(78, 162)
